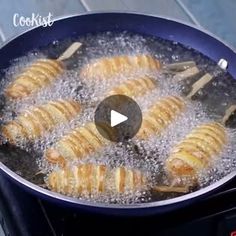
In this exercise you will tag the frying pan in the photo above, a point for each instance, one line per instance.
(78, 25)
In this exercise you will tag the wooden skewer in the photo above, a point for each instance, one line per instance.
(200, 84)
(183, 75)
(229, 112)
(179, 66)
(69, 51)
(39, 172)
(172, 189)
(43, 185)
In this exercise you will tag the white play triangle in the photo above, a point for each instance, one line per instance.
(117, 118)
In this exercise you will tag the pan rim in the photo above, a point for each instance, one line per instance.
(154, 204)
(58, 196)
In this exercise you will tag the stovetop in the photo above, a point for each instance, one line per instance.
(22, 214)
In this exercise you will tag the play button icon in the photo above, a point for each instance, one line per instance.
(118, 118)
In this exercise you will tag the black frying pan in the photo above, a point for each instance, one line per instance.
(91, 23)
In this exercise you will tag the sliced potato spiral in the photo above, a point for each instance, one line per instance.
(134, 87)
(108, 67)
(95, 179)
(160, 115)
(36, 76)
(33, 123)
(79, 143)
(197, 150)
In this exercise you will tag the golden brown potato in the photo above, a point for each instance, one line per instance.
(108, 67)
(36, 76)
(34, 122)
(196, 151)
(133, 88)
(160, 115)
(95, 179)
(77, 144)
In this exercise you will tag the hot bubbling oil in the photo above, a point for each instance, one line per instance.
(149, 155)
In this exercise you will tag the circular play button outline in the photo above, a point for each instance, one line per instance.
(118, 118)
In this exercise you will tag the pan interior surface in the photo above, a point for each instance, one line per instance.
(208, 104)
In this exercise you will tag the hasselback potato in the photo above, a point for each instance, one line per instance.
(77, 144)
(39, 74)
(135, 87)
(196, 151)
(108, 67)
(33, 123)
(95, 179)
(160, 115)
